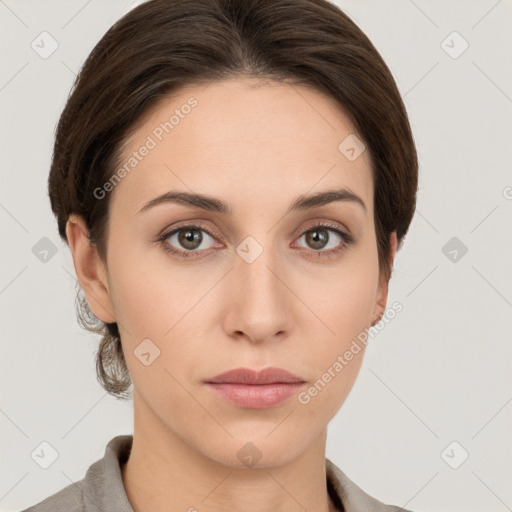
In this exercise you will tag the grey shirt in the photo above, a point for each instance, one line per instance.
(102, 488)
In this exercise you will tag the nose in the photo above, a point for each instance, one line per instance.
(259, 306)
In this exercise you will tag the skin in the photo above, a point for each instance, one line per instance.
(257, 148)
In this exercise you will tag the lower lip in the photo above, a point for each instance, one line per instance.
(253, 396)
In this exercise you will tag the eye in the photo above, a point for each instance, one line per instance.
(186, 240)
(320, 238)
(189, 241)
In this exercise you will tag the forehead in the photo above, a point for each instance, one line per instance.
(244, 141)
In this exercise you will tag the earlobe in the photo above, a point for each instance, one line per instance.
(382, 292)
(89, 269)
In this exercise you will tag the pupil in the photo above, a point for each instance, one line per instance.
(191, 238)
(318, 237)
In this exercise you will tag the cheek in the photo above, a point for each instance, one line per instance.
(156, 300)
(344, 304)
(142, 305)
(336, 355)
(149, 293)
(344, 298)
(323, 397)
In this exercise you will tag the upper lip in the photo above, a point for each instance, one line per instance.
(269, 375)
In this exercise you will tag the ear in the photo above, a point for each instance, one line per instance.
(382, 290)
(89, 269)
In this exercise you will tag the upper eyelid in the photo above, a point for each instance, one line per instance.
(330, 225)
(171, 231)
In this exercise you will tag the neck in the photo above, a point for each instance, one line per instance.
(165, 473)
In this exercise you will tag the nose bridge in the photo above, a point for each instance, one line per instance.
(255, 266)
(259, 303)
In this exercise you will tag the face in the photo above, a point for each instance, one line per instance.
(199, 291)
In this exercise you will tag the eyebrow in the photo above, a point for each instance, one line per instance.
(212, 204)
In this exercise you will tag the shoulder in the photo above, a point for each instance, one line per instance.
(70, 499)
(100, 489)
(353, 498)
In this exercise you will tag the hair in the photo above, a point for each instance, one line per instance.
(162, 46)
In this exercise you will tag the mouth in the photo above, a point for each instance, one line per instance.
(253, 389)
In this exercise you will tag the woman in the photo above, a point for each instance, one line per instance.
(233, 178)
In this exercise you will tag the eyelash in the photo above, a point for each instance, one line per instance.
(346, 238)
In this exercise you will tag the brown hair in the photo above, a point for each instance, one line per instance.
(163, 45)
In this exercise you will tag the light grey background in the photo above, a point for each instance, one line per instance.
(438, 373)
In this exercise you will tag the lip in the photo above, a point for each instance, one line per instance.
(270, 375)
(256, 389)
